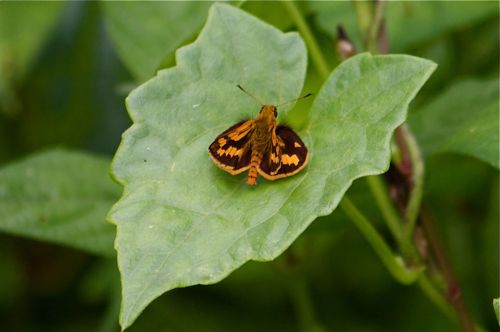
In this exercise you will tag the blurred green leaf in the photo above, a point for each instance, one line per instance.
(70, 97)
(496, 307)
(268, 11)
(463, 119)
(409, 23)
(145, 33)
(181, 220)
(61, 197)
(24, 28)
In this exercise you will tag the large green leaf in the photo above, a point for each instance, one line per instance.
(182, 221)
(462, 119)
(61, 197)
(409, 23)
(145, 33)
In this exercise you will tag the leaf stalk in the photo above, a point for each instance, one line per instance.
(394, 264)
(312, 45)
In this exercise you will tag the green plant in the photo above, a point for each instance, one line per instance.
(182, 222)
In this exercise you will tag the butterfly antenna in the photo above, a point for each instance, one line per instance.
(290, 101)
(256, 99)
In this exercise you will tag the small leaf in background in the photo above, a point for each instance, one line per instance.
(61, 197)
(24, 28)
(182, 221)
(409, 23)
(145, 33)
(463, 119)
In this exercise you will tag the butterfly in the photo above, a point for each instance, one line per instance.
(261, 146)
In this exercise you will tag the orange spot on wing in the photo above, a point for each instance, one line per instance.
(222, 141)
(289, 160)
(236, 136)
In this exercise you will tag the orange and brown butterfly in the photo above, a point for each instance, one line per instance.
(261, 146)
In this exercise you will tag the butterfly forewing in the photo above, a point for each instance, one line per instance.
(231, 150)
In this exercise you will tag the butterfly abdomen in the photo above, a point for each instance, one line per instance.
(254, 163)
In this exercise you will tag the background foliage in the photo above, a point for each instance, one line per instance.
(65, 70)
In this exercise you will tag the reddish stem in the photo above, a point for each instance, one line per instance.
(453, 292)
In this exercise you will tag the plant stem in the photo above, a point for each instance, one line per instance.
(417, 177)
(435, 296)
(385, 205)
(303, 305)
(392, 263)
(404, 165)
(312, 44)
(375, 26)
(411, 153)
(412, 168)
(364, 14)
(290, 269)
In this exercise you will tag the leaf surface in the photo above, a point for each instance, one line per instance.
(182, 221)
(463, 119)
(61, 197)
(145, 33)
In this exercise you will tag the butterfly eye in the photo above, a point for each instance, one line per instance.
(275, 112)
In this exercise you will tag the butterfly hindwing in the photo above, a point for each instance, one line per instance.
(231, 150)
(271, 160)
(286, 156)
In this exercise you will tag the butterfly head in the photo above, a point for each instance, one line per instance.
(269, 111)
(267, 115)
